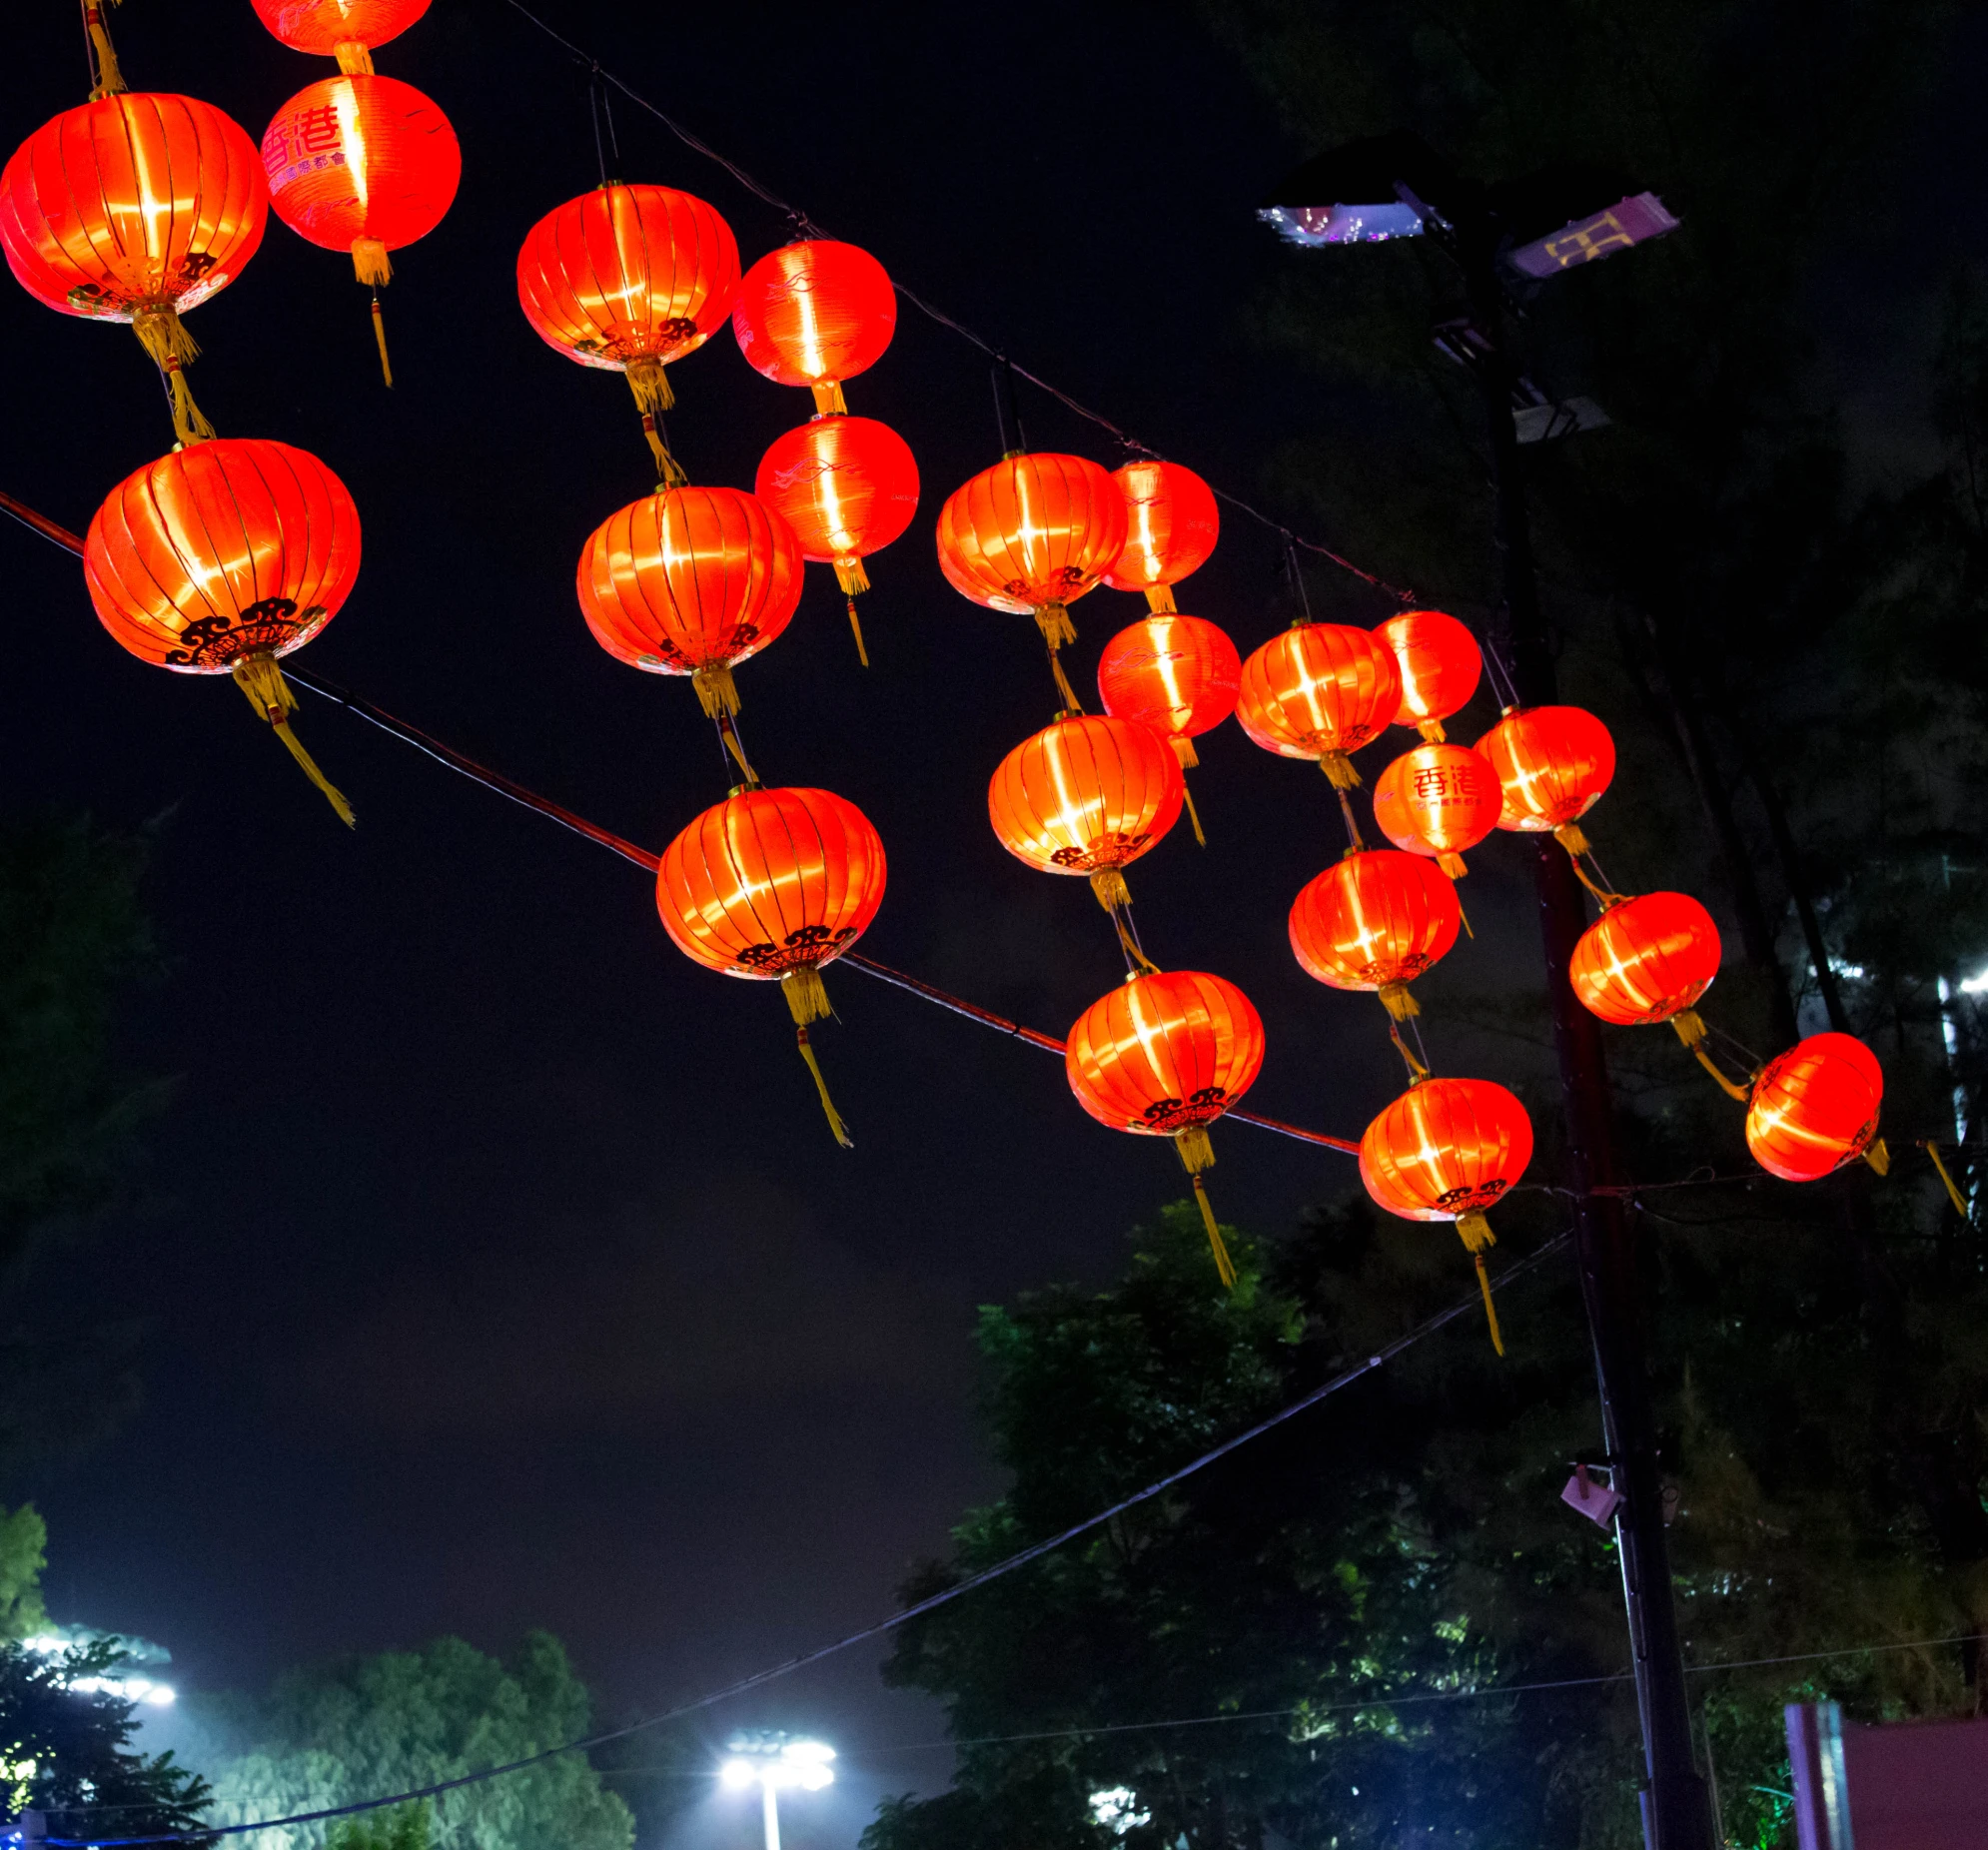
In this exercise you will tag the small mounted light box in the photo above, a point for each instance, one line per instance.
(1625, 224)
(1596, 1501)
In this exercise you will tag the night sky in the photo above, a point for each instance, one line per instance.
(496, 1265)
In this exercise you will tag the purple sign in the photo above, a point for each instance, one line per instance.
(1583, 241)
(1906, 1785)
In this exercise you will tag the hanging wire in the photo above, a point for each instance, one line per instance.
(1296, 573)
(594, 92)
(1007, 409)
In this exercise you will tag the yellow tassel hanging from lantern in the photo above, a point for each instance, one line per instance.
(1569, 836)
(1198, 1154)
(355, 59)
(1432, 730)
(380, 337)
(172, 350)
(1053, 619)
(1452, 865)
(717, 691)
(1878, 1156)
(1184, 750)
(1340, 770)
(1953, 1194)
(370, 262)
(806, 994)
(1160, 601)
(1067, 694)
(109, 80)
(1474, 1232)
(829, 402)
(1108, 883)
(1397, 1001)
(649, 379)
(834, 1117)
(852, 577)
(269, 693)
(1193, 814)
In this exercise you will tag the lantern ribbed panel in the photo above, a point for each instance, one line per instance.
(139, 201)
(232, 547)
(1554, 763)
(629, 273)
(360, 157)
(1177, 674)
(848, 486)
(1815, 1107)
(1444, 1148)
(770, 881)
(1085, 794)
(1318, 688)
(814, 314)
(1171, 524)
(1164, 1052)
(1374, 918)
(1440, 663)
(1032, 531)
(319, 27)
(1437, 799)
(689, 578)
(1642, 961)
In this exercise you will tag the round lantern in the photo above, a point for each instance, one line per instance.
(1086, 795)
(815, 313)
(691, 580)
(848, 486)
(772, 885)
(1178, 675)
(1163, 1055)
(1320, 691)
(1375, 921)
(1647, 960)
(1439, 663)
(136, 209)
(347, 30)
(1437, 800)
(218, 559)
(1553, 763)
(1445, 1149)
(1814, 1108)
(1171, 524)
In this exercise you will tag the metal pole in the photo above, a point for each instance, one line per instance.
(769, 1809)
(1676, 1813)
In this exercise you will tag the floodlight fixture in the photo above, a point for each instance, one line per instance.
(774, 1764)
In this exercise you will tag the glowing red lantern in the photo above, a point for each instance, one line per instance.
(1439, 663)
(1647, 960)
(218, 559)
(1320, 691)
(1553, 763)
(815, 313)
(1374, 921)
(1163, 1055)
(1178, 675)
(1815, 1107)
(1171, 524)
(772, 885)
(1437, 800)
(1445, 1149)
(136, 209)
(347, 30)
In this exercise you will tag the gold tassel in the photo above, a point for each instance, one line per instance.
(829, 402)
(1878, 1156)
(354, 60)
(836, 1123)
(1690, 1026)
(372, 263)
(806, 994)
(670, 472)
(1184, 750)
(1193, 814)
(717, 692)
(1452, 865)
(1569, 836)
(1490, 1309)
(1398, 1003)
(1474, 1232)
(1953, 1194)
(1067, 694)
(172, 350)
(269, 693)
(1432, 730)
(853, 580)
(729, 733)
(856, 629)
(380, 336)
(1197, 1153)
(1724, 1085)
(1109, 885)
(190, 423)
(1416, 1071)
(109, 80)
(1339, 768)
(1053, 619)
(1160, 601)
(1463, 918)
(1607, 899)
(1225, 1266)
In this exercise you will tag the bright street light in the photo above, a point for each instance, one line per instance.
(773, 1763)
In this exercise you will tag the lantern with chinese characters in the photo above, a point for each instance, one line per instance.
(629, 279)
(772, 885)
(218, 559)
(1320, 691)
(361, 164)
(1445, 1149)
(1374, 920)
(1439, 663)
(691, 581)
(1171, 524)
(347, 30)
(848, 486)
(815, 313)
(1814, 1108)
(1647, 960)
(1165, 1054)
(136, 209)
(1437, 800)
(1553, 763)
(1086, 795)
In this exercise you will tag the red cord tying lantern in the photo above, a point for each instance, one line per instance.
(1814, 1108)
(361, 164)
(347, 30)
(848, 486)
(1648, 960)
(815, 313)
(1439, 663)
(1165, 1054)
(1177, 674)
(1437, 800)
(771, 885)
(629, 279)
(1171, 526)
(1553, 763)
(1445, 1149)
(220, 558)
(1374, 921)
(1320, 691)
(136, 209)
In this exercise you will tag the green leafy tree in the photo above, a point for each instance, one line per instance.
(398, 1827)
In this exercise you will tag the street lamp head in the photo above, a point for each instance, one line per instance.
(738, 1774)
(779, 1763)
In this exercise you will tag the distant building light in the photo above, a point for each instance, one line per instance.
(1625, 224)
(1318, 226)
(1117, 1809)
(1974, 985)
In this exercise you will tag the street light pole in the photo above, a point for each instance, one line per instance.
(770, 1811)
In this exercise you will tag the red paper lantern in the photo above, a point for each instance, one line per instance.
(218, 559)
(1320, 691)
(815, 313)
(1646, 960)
(1439, 663)
(1437, 800)
(1553, 763)
(1178, 675)
(691, 581)
(1816, 1108)
(1163, 1055)
(1171, 526)
(347, 30)
(1374, 921)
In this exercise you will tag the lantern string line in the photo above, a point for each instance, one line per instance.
(807, 225)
